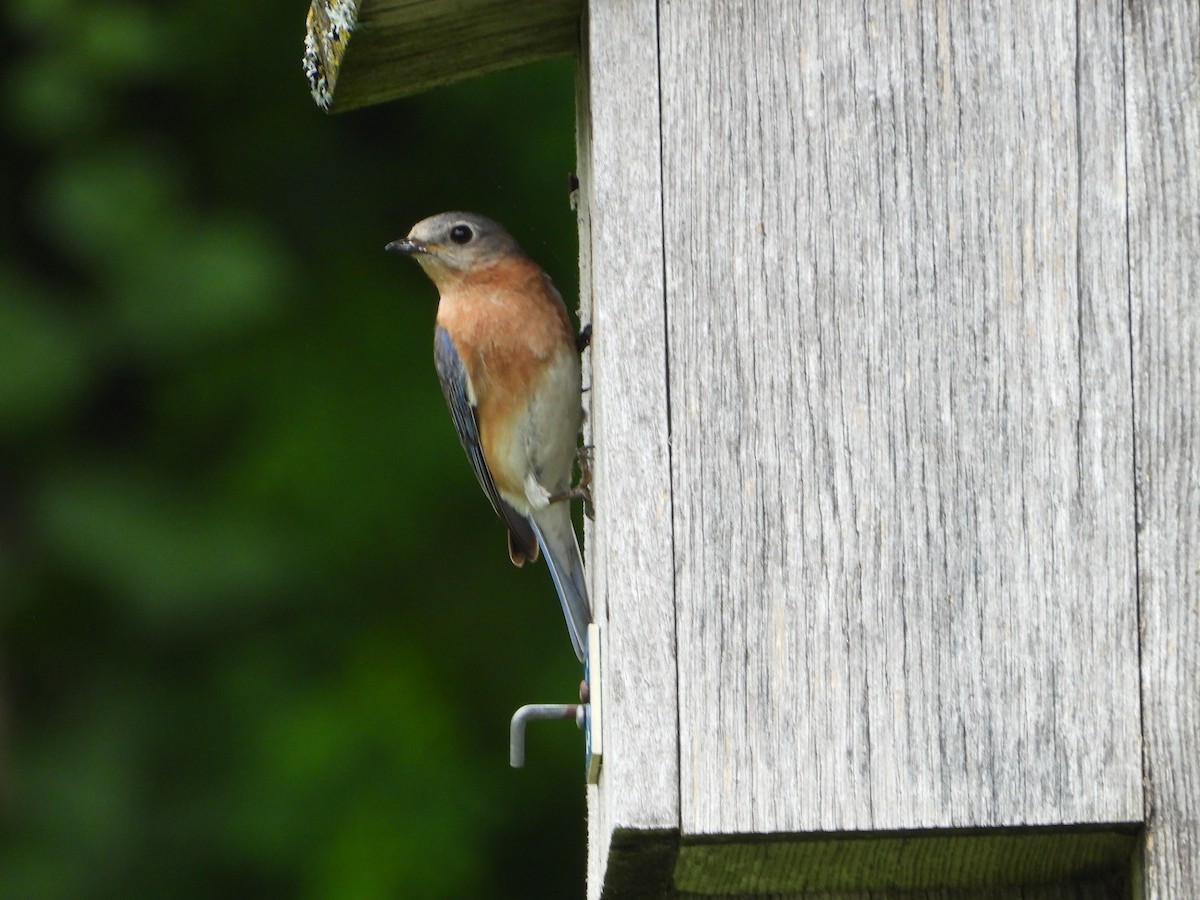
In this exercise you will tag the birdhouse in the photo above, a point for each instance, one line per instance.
(896, 551)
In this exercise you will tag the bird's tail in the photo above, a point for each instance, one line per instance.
(556, 535)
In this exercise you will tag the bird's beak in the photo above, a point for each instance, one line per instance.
(407, 246)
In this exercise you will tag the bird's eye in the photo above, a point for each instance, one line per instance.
(461, 234)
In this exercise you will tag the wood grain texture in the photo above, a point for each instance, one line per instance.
(629, 545)
(1162, 70)
(361, 52)
(900, 407)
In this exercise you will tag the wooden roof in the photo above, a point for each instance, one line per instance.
(362, 52)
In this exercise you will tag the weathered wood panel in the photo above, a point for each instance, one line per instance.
(629, 547)
(900, 406)
(1162, 70)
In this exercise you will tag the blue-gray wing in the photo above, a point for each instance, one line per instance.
(522, 544)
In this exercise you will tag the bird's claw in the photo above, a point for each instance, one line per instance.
(583, 340)
(582, 489)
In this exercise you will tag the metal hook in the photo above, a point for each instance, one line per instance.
(516, 730)
(586, 713)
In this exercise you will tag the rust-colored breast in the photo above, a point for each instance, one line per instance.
(507, 323)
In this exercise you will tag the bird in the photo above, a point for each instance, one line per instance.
(508, 362)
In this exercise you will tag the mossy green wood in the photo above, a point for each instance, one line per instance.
(961, 860)
(362, 52)
(1071, 862)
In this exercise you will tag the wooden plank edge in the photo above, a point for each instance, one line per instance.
(327, 31)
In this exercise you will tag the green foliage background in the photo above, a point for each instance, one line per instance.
(260, 636)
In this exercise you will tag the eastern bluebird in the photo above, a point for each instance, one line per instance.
(509, 367)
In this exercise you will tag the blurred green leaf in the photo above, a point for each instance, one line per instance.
(173, 559)
(42, 359)
(112, 206)
(208, 284)
(118, 40)
(34, 18)
(341, 750)
(50, 99)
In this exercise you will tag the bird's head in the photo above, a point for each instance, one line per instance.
(451, 244)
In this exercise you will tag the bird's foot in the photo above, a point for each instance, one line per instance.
(583, 340)
(582, 489)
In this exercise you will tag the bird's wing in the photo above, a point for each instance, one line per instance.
(522, 545)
